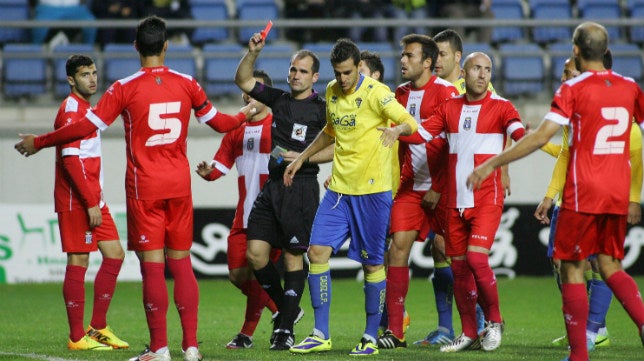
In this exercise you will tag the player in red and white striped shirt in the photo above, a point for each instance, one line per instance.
(477, 125)
(84, 220)
(597, 107)
(248, 148)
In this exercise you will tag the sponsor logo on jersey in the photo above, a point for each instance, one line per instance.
(388, 99)
(345, 121)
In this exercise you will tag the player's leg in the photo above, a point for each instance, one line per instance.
(443, 285)
(369, 220)
(575, 307)
(105, 281)
(77, 243)
(600, 297)
(331, 227)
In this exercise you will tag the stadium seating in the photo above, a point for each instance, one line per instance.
(323, 51)
(390, 60)
(209, 10)
(522, 69)
(636, 10)
(220, 65)
(181, 58)
(559, 52)
(119, 61)
(507, 10)
(469, 48)
(599, 10)
(551, 10)
(60, 55)
(627, 61)
(275, 60)
(256, 10)
(24, 70)
(13, 10)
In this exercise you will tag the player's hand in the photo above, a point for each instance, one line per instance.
(326, 182)
(95, 216)
(291, 169)
(634, 213)
(430, 199)
(479, 174)
(249, 109)
(26, 145)
(505, 182)
(389, 135)
(204, 169)
(541, 213)
(256, 43)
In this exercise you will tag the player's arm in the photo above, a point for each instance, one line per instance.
(634, 207)
(557, 181)
(321, 141)
(222, 161)
(223, 123)
(31, 144)
(323, 156)
(73, 171)
(244, 74)
(525, 146)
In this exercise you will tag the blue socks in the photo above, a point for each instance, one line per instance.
(374, 300)
(600, 298)
(443, 282)
(320, 288)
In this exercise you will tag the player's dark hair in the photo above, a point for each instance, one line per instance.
(76, 61)
(345, 49)
(592, 41)
(451, 36)
(301, 54)
(608, 59)
(259, 73)
(374, 62)
(428, 45)
(151, 36)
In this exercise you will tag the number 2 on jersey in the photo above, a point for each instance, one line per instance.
(602, 144)
(171, 126)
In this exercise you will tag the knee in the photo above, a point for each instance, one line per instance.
(256, 258)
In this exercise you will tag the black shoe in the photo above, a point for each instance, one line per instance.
(240, 341)
(283, 340)
(388, 340)
(277, 320)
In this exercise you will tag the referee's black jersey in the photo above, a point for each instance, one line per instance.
(296, 123)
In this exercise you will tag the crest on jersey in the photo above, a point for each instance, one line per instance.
(467, 123)
(250, 144)
(412, 110)
(158, 80)
(358, 102)
(608, 83)
(334, 99)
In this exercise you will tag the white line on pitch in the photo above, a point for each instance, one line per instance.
(36, 356)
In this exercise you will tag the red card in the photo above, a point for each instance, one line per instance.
(267, 29)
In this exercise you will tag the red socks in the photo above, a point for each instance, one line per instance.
(575, 310)
(104, 285)
(465, 294)
(186, 298)
(486, 285)
(74, 296)
(155, 302)
(256, 299)
(626, 291)
(397, 288)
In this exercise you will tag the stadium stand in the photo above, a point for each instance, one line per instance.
(559, 52)
(13, 10)
(598, 10)
(549, 10)
(119, 61)
(24, 70)
(522, 69)
(59, 55)
(220, 64)
(507, 10)
(256, 10)
(180, 57)
(209, 10)
(627, 61)
(275, 60)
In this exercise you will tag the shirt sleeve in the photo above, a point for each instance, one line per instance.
(74, 173)
(636, 165)
(552, 149)
(66, 134)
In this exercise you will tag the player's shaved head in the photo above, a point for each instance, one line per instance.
(592, 40)
(469, 60)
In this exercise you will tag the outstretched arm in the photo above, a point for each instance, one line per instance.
(244, 75)
(30, 144)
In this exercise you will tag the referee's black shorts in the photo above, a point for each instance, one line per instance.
(283, 216)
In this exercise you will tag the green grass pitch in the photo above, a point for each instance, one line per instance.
(33, 324)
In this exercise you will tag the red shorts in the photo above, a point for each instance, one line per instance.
(407, 214)
(159, 224)
(237, 246)
(472, 227)
(74, 228)
(579, 235)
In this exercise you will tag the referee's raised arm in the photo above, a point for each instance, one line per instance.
(244, 75)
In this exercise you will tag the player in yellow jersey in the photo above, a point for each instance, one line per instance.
(600, 293)
(358, 200)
